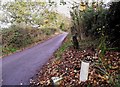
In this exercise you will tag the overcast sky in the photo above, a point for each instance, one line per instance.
(63, 9)
(60, 8)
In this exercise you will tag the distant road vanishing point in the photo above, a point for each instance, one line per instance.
(20, 67)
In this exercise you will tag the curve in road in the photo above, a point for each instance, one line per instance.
(20, 67)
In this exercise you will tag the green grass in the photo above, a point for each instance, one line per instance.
(88, 43)
(66, 44)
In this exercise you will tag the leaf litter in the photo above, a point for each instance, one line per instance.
(103, 73)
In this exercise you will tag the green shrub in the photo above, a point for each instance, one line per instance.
(16, 37)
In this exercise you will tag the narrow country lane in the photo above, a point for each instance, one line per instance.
(20, 67)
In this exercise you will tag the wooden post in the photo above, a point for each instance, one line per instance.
(75, 41)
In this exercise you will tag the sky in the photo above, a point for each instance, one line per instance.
(63, 9)
(60, 8)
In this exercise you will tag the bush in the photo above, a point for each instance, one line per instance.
(99, 23)
(16, 37)
(113, 25)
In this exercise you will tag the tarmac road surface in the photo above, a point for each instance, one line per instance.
(20, 67)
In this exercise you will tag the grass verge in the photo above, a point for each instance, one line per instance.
(66, 44)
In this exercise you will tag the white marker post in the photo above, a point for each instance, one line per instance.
(84, 71)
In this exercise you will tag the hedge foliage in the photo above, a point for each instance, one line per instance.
(16, 37)
(98, 22)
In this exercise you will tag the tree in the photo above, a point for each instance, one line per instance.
(88, 19)
(33, 13)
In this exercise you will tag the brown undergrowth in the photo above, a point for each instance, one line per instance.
(103, 73)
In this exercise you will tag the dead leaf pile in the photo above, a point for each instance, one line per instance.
(68, 68)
